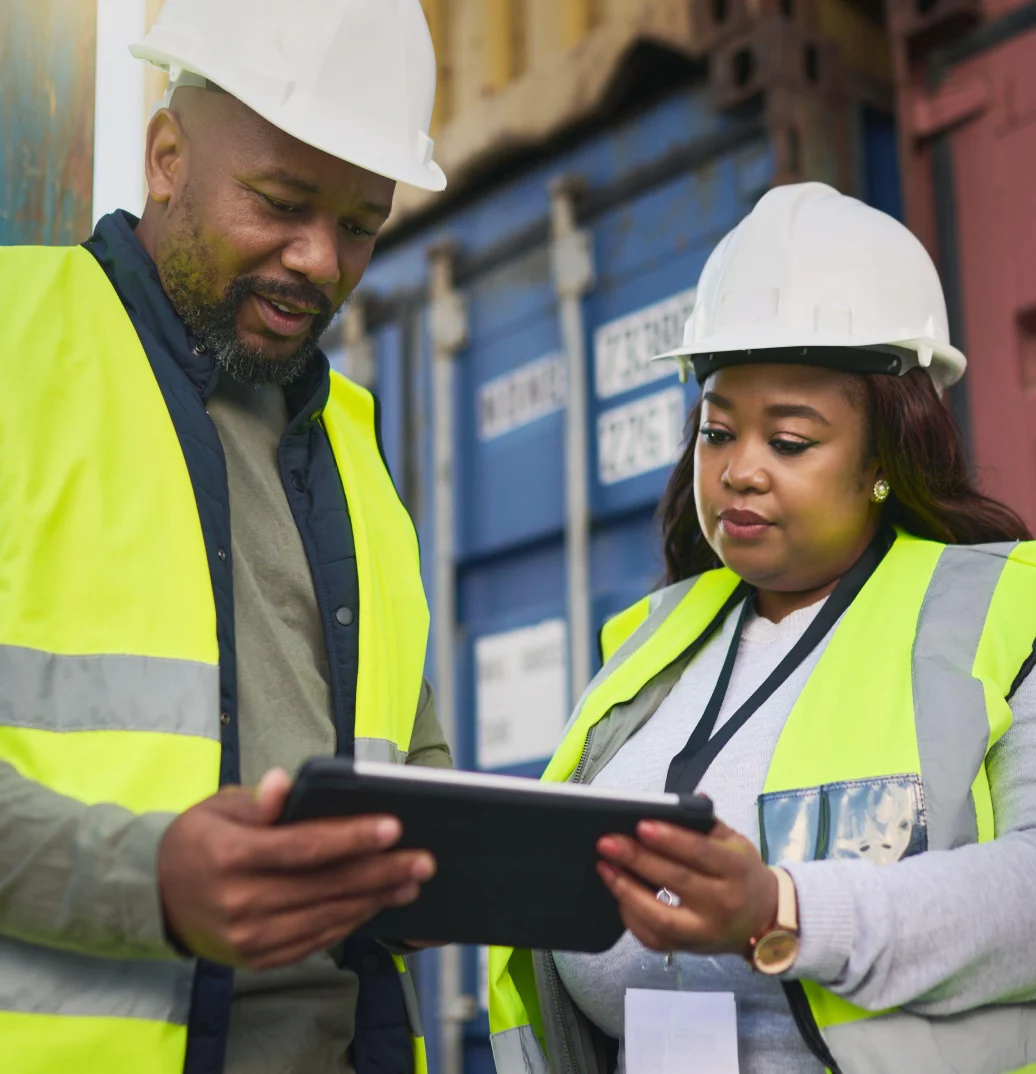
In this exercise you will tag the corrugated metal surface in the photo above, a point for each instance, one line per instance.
(47, 50)
(513, 321)
(652, 230)
(994, 165)
(661, 188)
(968, 109)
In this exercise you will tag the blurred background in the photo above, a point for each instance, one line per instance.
(596, 151)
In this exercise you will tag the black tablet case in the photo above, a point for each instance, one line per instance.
(516, 867)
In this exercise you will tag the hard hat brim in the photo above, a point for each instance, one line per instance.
(947, 364)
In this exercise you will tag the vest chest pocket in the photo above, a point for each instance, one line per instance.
(879, 820)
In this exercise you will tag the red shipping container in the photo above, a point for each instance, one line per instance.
(966, 76)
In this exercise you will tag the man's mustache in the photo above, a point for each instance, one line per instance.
(289, 293)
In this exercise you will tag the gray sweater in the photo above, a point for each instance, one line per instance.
(942, 932)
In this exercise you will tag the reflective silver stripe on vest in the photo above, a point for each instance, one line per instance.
(50, 692)
(43, 980)
(950, 707)
(662, 604)
(379, 749)
(518, 1051)
(991, 1040)
(413, 1008)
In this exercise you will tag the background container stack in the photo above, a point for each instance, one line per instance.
(507, 328)
(966, 76)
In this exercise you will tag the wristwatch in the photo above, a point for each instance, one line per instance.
(776, 950)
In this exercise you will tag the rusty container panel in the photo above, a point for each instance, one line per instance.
(967, 82)
(47, 59)
(994, 177)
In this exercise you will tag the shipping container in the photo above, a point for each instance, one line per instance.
(74, 107)
(966, 73)
(47, 60)
(656, 190)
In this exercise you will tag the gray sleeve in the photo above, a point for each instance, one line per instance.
(428, 745)
(82, 878)
(943, 932)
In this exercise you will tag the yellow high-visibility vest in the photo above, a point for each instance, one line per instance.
(896, 720)
(109, 676)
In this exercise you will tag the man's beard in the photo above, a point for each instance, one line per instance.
(188, 272)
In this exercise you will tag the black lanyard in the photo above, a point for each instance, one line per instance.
(691, 763)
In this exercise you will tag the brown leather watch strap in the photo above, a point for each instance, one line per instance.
(786, 923)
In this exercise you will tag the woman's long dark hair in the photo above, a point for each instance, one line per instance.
(915, 441)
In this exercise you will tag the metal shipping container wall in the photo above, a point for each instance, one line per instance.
(652, 195)
(47, 58)
(967, 81)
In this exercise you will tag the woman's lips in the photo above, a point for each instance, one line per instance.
(744, 525)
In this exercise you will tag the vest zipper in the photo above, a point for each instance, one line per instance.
(584, 757)
(807, 1025)
(569, 1059)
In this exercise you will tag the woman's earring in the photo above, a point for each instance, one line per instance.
(881, 491)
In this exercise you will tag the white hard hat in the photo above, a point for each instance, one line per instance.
(355, 78)
(816, 278)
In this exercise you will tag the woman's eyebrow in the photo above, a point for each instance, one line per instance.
(718, 401)
(796, 410)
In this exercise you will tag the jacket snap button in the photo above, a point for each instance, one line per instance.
(297, 482)
(224, 719)
(200, 349)
(370, 963)
(222, 554)
(344, 616)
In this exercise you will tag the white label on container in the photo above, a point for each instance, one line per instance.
(623, 349)
(640, 436)
(521, 693)
(517, 398)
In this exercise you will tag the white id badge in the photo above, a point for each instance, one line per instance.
(680, 1032)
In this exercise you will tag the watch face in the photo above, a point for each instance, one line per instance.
(776, 951)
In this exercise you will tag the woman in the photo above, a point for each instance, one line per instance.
(840, 670)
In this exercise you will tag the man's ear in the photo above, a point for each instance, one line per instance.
(165, 157)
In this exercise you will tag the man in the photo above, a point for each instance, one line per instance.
(206, 575)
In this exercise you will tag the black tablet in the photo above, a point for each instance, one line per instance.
(516, 858)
